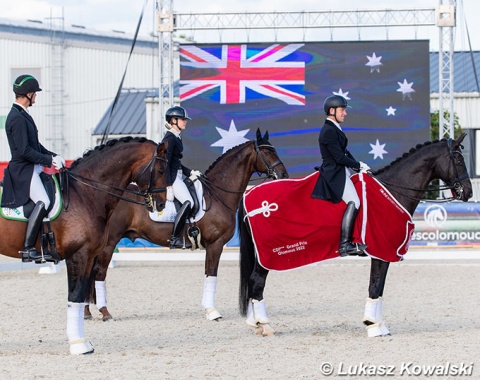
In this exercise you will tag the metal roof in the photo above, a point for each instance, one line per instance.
(464, 78)
(129, 116)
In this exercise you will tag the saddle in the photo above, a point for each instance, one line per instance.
(52, 187)
(47, 239)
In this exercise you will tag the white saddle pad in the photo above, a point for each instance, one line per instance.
(17, 213)
(169, 213)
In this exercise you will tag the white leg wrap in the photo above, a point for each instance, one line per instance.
(250, 317)
(373, 310)
(75, 333)
(101, 293)
(256, 313)
(209, 289)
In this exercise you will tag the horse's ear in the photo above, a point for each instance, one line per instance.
(457, 143)
(162, 147)
(265, 136)
(259, 134)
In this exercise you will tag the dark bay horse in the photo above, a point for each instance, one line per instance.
(224, 184)
(406, 179)
(95, 184)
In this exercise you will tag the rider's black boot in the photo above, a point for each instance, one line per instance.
(346, 247)
(28, 252)
(176, 241)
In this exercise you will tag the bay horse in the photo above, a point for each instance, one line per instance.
(224, 184)
(406, 179)
(94, 185)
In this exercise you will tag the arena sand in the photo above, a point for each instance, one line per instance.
(159, 332)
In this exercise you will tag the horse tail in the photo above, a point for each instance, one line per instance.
(247, 259)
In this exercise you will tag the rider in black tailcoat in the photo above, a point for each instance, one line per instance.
(334, 183)
(21, 180)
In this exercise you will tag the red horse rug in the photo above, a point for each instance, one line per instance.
(290, 229)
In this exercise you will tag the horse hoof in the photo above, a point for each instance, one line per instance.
(88, 317)
(213, 315)
(107, 318)
(264, 329)
(80, 347)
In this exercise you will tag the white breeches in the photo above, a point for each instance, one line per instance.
(180, 190)
(349, 192)
(37, 190)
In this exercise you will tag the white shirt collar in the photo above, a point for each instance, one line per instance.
(175, 132)
(21, 105)
(336, 124)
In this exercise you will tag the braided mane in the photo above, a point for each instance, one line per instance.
(101, 148)
(408, 154)
(219, 158)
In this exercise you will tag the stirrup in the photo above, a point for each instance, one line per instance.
(178, 243)
(352, 249)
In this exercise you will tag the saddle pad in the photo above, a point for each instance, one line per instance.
(290, 229)
(169, 213)
(17, 213)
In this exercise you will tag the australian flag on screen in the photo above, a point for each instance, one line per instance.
(230, 90)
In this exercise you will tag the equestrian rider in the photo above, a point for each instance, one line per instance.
(176, 118)
(22, 176)
(334, 182)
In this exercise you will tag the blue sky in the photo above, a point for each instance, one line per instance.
(124, 14)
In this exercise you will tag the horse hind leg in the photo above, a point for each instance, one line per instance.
(373, 316)
(257, 311)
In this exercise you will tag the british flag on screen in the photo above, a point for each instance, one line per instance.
(235, 69)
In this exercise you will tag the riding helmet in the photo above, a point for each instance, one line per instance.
(176, 111)
(25, 84)
(334, 101)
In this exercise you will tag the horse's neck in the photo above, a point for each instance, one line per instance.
(233, 171)
(407, 179)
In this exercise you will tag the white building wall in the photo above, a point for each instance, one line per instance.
(92, 74)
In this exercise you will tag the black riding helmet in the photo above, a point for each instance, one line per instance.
(176, 111)
(25, 84)
(334, 101)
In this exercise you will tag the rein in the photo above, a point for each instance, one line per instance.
(208, 184)
(147, 194)
(456, 184)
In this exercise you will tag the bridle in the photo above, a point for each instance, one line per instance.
(146, 194)
(209, 185)
(270, 168)
(455, 185)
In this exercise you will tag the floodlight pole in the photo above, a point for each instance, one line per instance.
(165, 26)
(445, 19)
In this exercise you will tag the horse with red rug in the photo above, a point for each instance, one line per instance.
(277, 234)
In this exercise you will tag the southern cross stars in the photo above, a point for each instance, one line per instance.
(374, 63)
(406, 89)
(378, 150)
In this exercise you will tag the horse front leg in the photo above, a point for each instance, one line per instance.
(212, 261)
(79, 274)
(373, 316)
(257, 310)
(98, 294)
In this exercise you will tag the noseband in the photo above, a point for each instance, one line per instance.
(270, 168)
(456, 185)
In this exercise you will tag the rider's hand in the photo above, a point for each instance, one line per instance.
(195, 174)
(58, 162)
(170, 196)
(364, 167)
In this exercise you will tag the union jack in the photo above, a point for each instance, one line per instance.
(238, 68)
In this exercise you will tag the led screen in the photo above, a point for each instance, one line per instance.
(230, 90)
